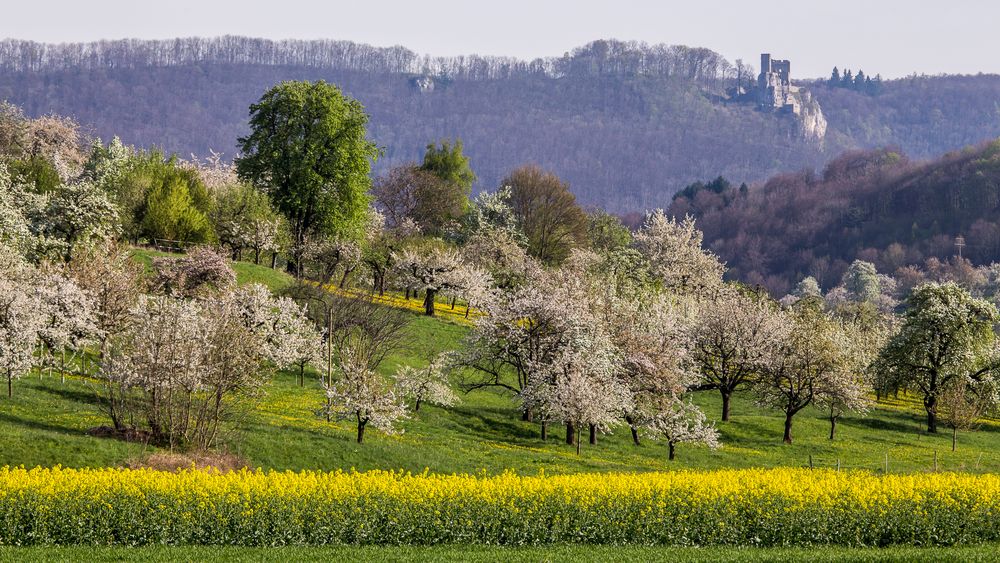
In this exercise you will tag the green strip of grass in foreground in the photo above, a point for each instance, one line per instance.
(474, 554)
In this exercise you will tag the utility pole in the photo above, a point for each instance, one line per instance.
(960, 244)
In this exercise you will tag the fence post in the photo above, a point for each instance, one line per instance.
(935, 461)
(810, 461)
(886, 470)
(838, 465)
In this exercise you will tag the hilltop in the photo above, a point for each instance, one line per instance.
(627, 124)
(880, 206)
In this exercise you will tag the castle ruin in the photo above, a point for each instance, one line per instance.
(775, 93)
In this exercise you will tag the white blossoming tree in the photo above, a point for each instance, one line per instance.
(428, 384)
(676, 257)
(679, 422)
(440, 270)
(364, 395)
(580, 388)
(68, 313)
(731, 340)
(21, 319)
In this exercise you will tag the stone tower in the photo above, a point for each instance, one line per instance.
(774, 85)
(775, 93)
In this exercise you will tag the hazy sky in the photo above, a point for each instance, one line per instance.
(891, 37)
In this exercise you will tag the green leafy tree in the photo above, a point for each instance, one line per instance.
(448, 163)
(946, 339)
(606, 232)
(308, 150)
(171, 213)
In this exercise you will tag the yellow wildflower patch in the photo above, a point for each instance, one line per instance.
(732, 507)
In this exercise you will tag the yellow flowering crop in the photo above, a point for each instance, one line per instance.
(737, 507)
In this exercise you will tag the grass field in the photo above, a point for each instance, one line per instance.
(481, 554)
(46, 421)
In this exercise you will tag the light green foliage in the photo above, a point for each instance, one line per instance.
(308, 149)
(448, 163)
(170, 213)
(606, 232)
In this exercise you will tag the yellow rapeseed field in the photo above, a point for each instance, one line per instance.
(732, 507)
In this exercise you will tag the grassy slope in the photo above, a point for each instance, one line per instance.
(45, 424)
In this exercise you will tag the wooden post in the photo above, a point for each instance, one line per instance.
(810, 461)
(935, 461)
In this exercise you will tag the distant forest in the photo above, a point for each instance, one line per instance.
(878, 206)
(626, 124)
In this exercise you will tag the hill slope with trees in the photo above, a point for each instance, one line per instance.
(626, 124)
(878, 206)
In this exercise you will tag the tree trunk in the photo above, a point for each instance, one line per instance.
(833, 426)
(726, 396)
(635, 431)
(302, 375)
(570, 433)
(274, 260)
(527, 415)
(429, 302)
(361, 431)
(10, 385)
(407, 294)
(578, 442)
(954, 437)
(788, 428)
(930, 403)
(452, 303)
(343, 279)
(673, 447)
(256, 256)
(416, 407)
(545, 431)
(593, 434)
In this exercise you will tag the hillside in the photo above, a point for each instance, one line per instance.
(46, 423)
(878, 206)
(626, 124)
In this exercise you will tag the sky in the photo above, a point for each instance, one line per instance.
(889, 37)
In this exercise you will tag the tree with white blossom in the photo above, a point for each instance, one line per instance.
(428, 384)
(68, 313)
(731, 340)
(364, 395)
(440, 270)
(21, 319)
(362, 334)
(676, 257)
(679, 422)
(580, 387)
(811, 360)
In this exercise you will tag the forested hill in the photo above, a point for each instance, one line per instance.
(626, 124)
(878, 206)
